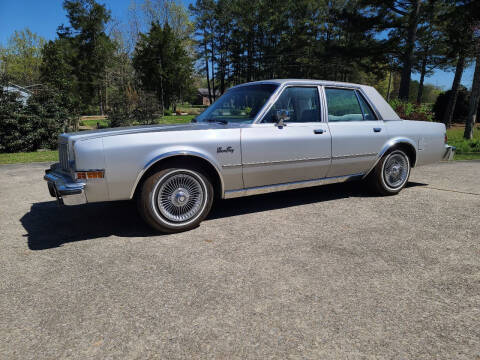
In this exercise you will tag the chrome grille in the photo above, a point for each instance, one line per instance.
(63, 155)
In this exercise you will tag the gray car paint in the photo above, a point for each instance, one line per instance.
(263, 154)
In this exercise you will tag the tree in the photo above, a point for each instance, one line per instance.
(457, 21)
(475, 94)
(31, 126)
(21, 58)
(432, 49)
(204, 12)
(142, 13)
(401, 18)
(162, 64)
(91, 46)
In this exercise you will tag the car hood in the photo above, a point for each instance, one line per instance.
(90, 134)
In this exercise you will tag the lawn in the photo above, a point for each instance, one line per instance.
(28, 157)
(92, 123)
(169, 119)
(175, 119)
(466, 149)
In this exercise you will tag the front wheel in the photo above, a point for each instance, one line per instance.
(174, 200)
(391, 173)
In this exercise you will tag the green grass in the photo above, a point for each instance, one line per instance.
(93, 123)
(175, 119)
(28, 157)
(472, 156)
(466, 149)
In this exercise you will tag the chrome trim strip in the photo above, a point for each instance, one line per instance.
(352, 156)
(387, 146)
(177, 153)
(289, 186)
(323, 104)
(286, 161)
(230, 166)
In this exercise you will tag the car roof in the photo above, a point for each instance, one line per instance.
(302, 81)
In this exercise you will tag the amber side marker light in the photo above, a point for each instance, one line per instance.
(84, 175)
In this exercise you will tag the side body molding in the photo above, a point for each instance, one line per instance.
(390, 143)
(169, 154)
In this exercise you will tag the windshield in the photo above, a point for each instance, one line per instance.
(240, 104)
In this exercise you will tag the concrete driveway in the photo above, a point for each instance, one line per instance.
(322, 273)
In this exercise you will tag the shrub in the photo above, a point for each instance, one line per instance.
(461, 106)
(31, 126)
(412, 111)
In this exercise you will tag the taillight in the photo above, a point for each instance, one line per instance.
(446, 138)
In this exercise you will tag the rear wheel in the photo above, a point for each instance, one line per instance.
(175, 199)
(391, 173)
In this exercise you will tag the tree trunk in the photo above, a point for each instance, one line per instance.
(212, 46)
(408, 55)
(208, 75)
(100, 97)
(448, 115)
(422, 79)
(389, 85)
(474, 99)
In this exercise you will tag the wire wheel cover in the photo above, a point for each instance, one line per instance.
(395, 170)
(180, 197)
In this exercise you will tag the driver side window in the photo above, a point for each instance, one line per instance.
(301, 103)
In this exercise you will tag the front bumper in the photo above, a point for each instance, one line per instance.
(62, 187)
(449, 152)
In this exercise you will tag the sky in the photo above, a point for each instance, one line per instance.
(44, 16)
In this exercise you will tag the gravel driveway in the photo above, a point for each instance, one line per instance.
(322, 273)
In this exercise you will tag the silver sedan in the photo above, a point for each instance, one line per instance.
(258, 137)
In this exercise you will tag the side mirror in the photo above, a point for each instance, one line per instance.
(281, 116)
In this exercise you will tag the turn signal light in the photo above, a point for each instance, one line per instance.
(84, 175)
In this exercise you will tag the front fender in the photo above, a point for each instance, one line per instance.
(129, 156)
(157, 156)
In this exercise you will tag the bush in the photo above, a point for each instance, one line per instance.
(461, 106)
(412, 111)
(32, 126)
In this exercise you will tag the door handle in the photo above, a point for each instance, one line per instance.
(318, 131)
(377, 129)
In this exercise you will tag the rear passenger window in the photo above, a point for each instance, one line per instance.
(345, 105)
(368, 113)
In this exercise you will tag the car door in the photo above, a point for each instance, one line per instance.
(357, 133)
(299, 150)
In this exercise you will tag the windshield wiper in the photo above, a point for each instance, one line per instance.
(220, 121)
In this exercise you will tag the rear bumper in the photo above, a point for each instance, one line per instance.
(62, 187)
(449, 152)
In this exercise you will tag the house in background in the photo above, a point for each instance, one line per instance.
(202, 96)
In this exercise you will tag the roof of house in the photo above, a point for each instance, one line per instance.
(204, 92)
(23, 94)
